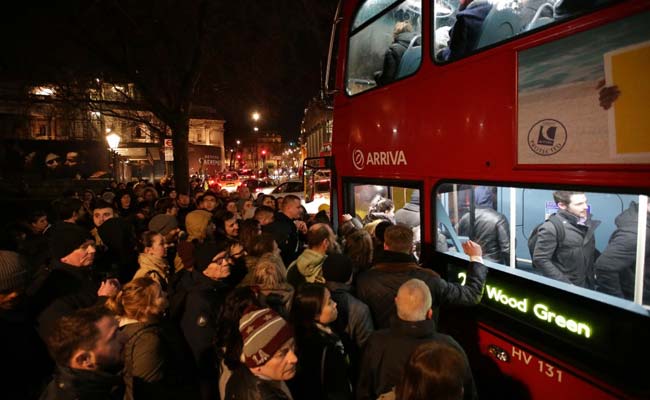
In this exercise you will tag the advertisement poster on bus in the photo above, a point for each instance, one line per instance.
(584, 99)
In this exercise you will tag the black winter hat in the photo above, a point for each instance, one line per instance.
(337, 268)
(13, 271)
(205, 252)
(66, 239)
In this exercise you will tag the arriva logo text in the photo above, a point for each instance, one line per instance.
(395, 157)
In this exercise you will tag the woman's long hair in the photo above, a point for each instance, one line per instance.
(139, 299)
(435, 370)
(307, 305)
(359, 247)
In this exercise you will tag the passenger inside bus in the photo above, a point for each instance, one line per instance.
(403, 38)
(465, 34)
(490, 227)
(592, 245)
(480, 23)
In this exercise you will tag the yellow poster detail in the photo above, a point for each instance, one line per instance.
(628, 68)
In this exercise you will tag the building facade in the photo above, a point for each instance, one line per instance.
(78, 123)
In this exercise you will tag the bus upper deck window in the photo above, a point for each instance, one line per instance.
(578, 240)
(385, 44)
(462, 27)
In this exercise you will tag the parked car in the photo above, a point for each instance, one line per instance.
(297, 188)
(257, 186)
(229, 181)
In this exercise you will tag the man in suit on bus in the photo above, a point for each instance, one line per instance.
(378, 286)
(570, 260)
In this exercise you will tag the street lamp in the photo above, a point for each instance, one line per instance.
(113, 140)
(255, 116)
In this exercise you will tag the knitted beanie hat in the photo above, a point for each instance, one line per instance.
(337, 268)
(163, 223)
(13, 271)
(204, 253)
(263, 332)
(66, 239)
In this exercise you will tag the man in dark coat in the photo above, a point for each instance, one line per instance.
(378, 286)
(286, 229)
(70, 284)
(388, 350)
(571, 261)
(206, 291)
(402, 36)
(490, 229)
(87, 348)
(466, 32)
(616, 267)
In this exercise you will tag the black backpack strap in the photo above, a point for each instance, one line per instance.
(558, 224)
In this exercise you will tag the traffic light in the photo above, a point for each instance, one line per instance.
(263, 152)
(238, 156)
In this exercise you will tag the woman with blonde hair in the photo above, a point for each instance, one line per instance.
(271, 278)
(152, 365)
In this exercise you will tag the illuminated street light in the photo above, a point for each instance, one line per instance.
(238, 142)
(256, 129)
(113, 143)
(255, 116)
(113, 140)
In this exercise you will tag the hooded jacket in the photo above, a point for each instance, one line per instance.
(310, 265)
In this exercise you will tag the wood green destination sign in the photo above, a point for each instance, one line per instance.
(541, 310)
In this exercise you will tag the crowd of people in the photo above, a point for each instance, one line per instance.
(143, 292)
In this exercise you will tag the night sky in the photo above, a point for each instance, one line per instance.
(262, 55)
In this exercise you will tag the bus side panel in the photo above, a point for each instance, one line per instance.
(545, 379)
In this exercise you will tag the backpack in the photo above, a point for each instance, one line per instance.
(559, 229)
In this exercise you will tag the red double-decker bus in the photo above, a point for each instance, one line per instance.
(457, 109)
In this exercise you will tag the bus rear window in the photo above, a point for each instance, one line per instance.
(585, 242)
(462, 27)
